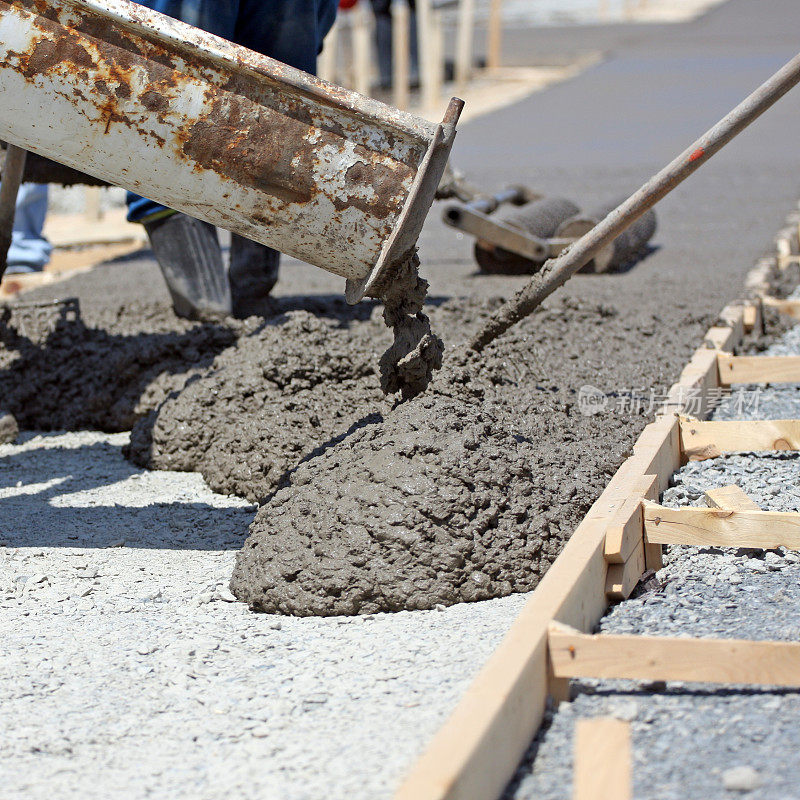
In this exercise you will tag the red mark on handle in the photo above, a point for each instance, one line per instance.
(699, 153)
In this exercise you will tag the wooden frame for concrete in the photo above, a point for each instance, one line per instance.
(701, 440)
(603, 767)
(721, 527)
(664, 658)
(757, 369)
(477, 750)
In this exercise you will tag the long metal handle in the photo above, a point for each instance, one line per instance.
(558, 271)
(13, 168)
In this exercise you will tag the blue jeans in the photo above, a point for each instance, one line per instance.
(290, 31)
(29, 251)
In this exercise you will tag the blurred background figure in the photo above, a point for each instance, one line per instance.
(29, 251)
(382, 9)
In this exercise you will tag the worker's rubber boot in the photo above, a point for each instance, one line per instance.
(253, 273)
(188, 252)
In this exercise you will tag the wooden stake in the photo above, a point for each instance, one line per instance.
(621, 579)
(602, 767)
(92, 211)
(702, 440)
(714, 527)
(661, 658)
(464, 43)
(362, 49)
(730, 498)
(401, 57)
(429, 83)
(626, 529)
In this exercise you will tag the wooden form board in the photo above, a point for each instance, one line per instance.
(701, 440)
(732, 498)
(627, 554)
(717, 527)
(758, 369)
(661, 658)
(602, 767)
(790, 308)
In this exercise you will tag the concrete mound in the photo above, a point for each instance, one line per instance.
(63, 374)
(266, 403)
(443, 501)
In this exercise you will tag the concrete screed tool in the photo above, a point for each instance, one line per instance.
(219, 132)
(517, 229)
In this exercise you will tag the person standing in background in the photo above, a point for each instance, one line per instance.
(29, 250)
(382, 9)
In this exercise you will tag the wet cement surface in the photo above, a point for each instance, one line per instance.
(469, 490)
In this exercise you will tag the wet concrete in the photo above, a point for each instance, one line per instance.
(468, 490)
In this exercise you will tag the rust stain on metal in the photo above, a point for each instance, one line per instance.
(249, 145)
(47, 54)
(384, 182)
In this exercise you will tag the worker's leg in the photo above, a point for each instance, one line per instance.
(290, 31)
(187, 250)
(29, 251)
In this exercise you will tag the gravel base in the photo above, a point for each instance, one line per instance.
(698, 740)
(126, 670)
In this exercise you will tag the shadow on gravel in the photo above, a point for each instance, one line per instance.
(45, 502)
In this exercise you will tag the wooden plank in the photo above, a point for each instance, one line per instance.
(626, 529)
(658, 448)
(790, 308)
(690, 395)
(476, 751)
(758, 369)
(661, 658)
(701, 440)
(602, 768)
(714, 527)
(730, 498)
(621, 579)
